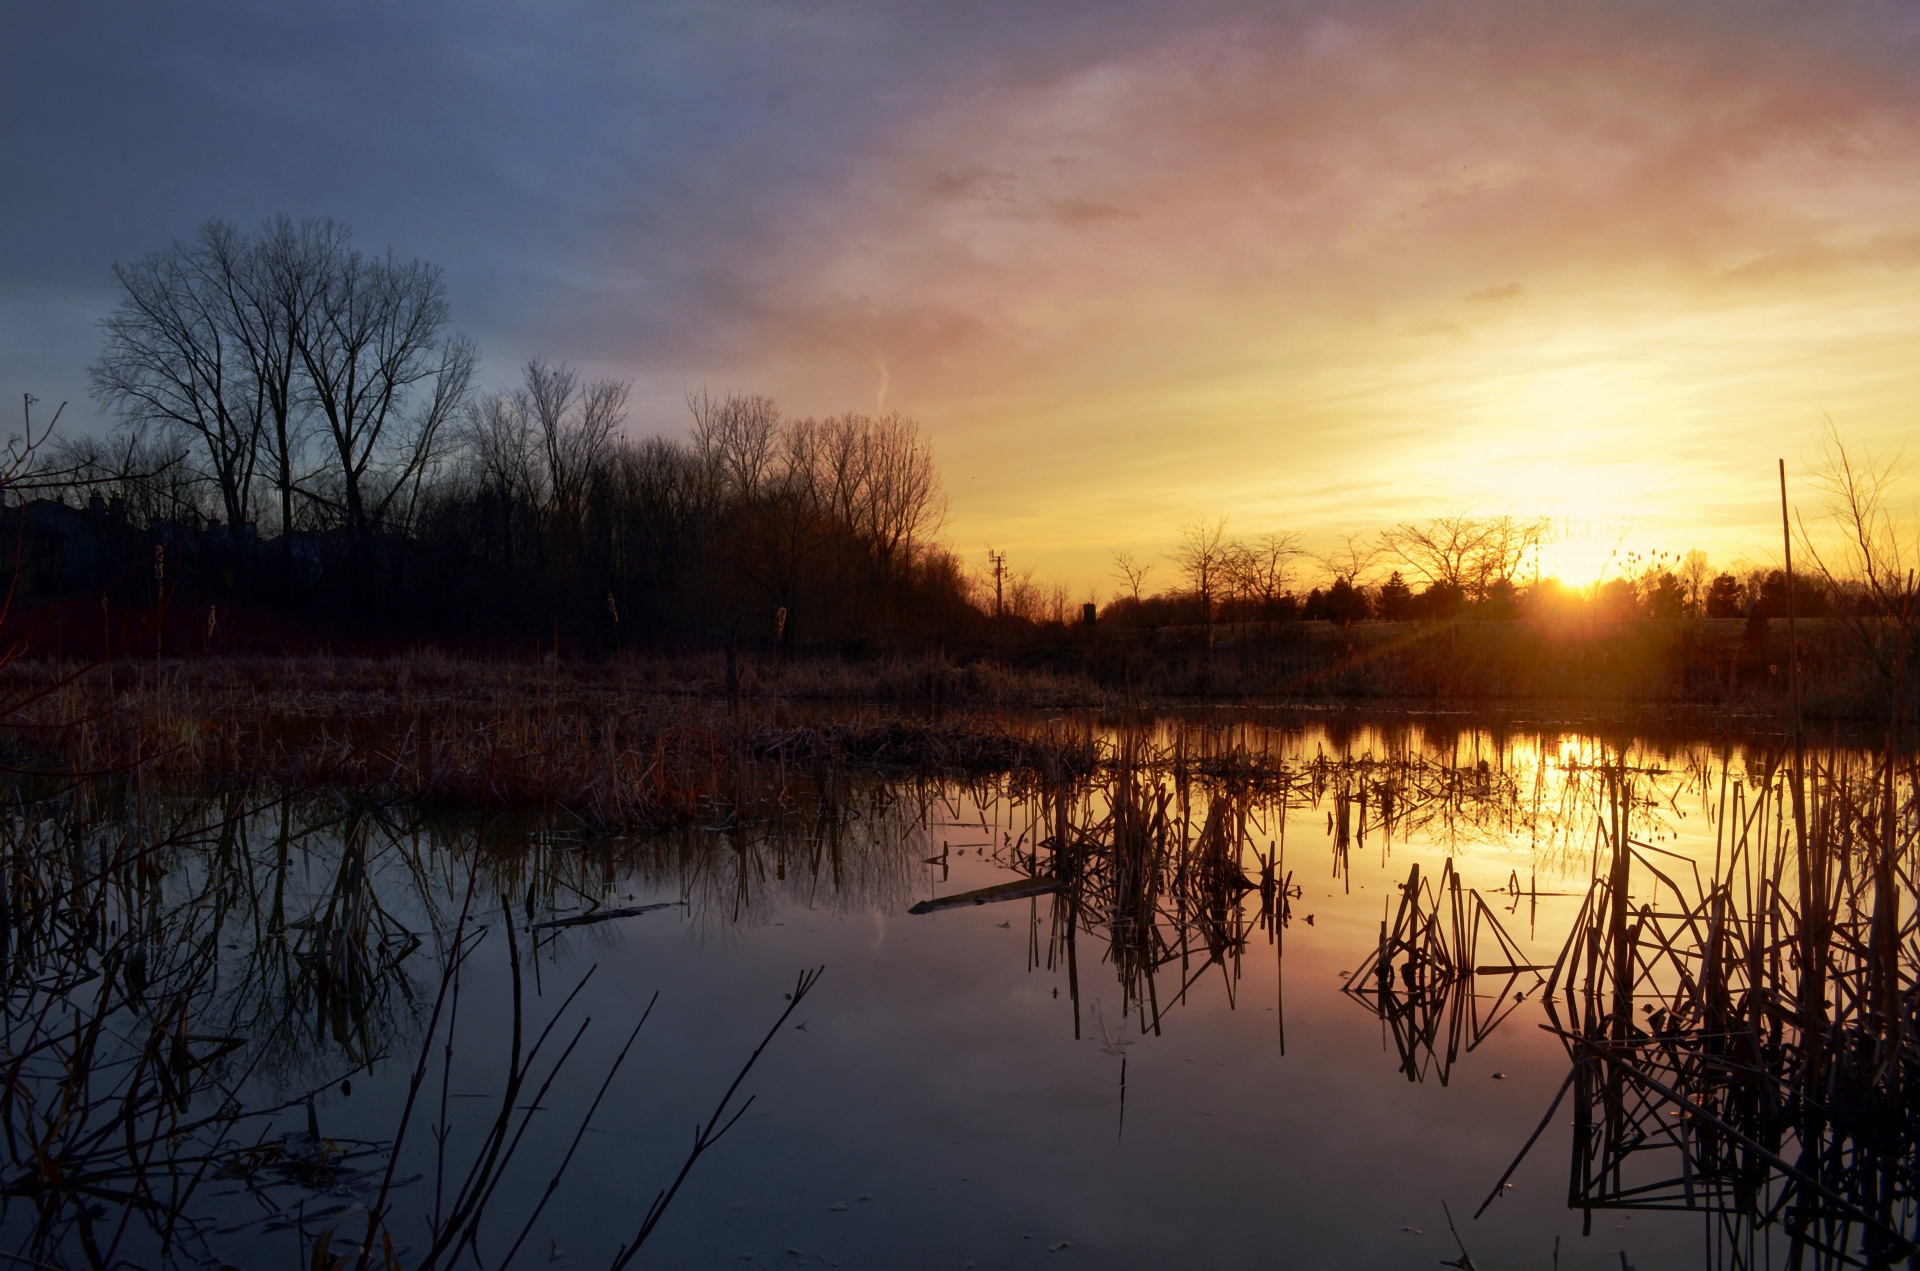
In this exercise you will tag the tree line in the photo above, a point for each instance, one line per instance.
(300, 426)
(300, 423)
(1486, 567)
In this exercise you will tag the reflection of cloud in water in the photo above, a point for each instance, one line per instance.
(1194, 846)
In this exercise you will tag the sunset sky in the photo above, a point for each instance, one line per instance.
(1311, 268)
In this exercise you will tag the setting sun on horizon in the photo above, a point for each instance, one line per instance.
(1316, 271)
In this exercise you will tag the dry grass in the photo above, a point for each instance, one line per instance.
(612, 746)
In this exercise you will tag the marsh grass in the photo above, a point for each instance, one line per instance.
(498, 736)
(1745, 1042)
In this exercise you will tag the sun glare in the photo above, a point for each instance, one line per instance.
(1580, 553)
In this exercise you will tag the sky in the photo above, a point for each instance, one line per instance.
(1311, 268)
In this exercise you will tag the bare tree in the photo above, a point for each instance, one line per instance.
(386, 380)
(1350, 561)
(498, 437)
(736, 437)
(174, 359)
(573, 422)
(1441, 550)
(1131, 573)
(1202, 556)
(274, 281)
(904, 500)
(1269, 561)
(1470, 553)
(1877, 552)
(1696, 573)
(1508, 541)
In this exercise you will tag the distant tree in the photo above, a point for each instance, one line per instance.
(573, 422)
(736, 438)
(1723, 597)
(1695, 575)
(1261, 571)
(1502, 599)
(1875, 558)
(1396, 599)
(1203, 555)
(385, 379)
(235, 340)
(1470, 553)
(285, 275)
(1132, 574)
(1440, 600)
(1352, 559)
(1617, 598)
(1809, 599)
(1665, 596)
(1345, 603)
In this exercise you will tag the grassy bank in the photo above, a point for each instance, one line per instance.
(612, 745)
(1575, 667)
(647, 741)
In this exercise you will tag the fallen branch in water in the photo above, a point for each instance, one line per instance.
(1018, 889)
(604, 915)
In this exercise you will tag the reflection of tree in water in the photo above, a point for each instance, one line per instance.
(130, 1065)
(850, 848)
(1171, 853)
(1745, 1044)
(283, 942)
(181, 972)
(320, 907)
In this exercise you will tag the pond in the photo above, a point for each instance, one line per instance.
(1236, 994)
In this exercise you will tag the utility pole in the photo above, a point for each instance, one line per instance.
(997, 562)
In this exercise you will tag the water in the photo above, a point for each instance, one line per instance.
(966, 1087)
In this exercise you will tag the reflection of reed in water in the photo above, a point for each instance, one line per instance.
(122, 1088)
(1427, 980)
(1157, 850)
(182, 973)
(1745, 1045)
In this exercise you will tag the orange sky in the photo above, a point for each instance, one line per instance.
(1311, 267)
(1327, 281)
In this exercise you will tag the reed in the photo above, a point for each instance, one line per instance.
(1744, 1043)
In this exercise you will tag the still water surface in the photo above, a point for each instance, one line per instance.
(1156, 1065)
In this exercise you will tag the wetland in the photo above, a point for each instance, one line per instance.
(764, 987)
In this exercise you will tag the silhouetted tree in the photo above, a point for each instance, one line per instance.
(1666, 596)
(175, 358)
(1396, 598)
(1131, 573)
(1695, 575)
(1875, 559)
(1440, 600)
(1809, 598)
(1345, 603)
(1203, 556)
(385, 379)
(1723, 597)
(1617, 598)
(1502, 600)
(1470, 553)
